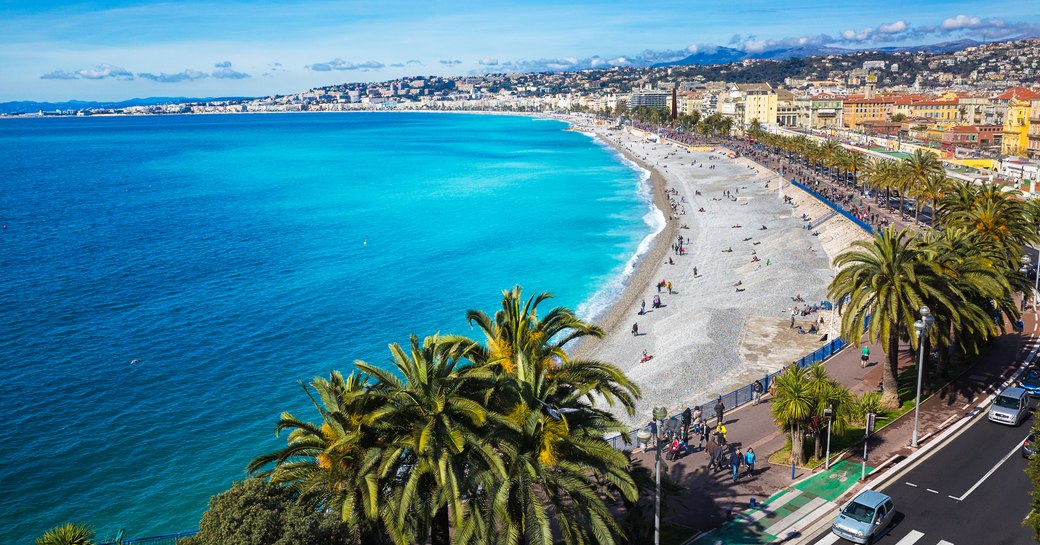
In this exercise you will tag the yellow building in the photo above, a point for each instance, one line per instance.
(760, 104)
(1033, 150)
(857, 109)
(1016, 120)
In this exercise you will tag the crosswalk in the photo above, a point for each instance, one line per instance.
(912, 538)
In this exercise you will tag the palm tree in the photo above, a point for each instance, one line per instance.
(881, 175)
(916, 169)
(855, 163)
(67, 534)
(931, 190)
(435, 419)
(556, 448)
(886, 280)
(828, 393)
(792, 407)
(334, 464)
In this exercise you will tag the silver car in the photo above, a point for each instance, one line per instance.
(865, 517)
(1011, 406)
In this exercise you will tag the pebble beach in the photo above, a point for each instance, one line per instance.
(727, 321)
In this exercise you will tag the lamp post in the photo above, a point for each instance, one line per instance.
(828, 412)
(644, 435)
(922, 326)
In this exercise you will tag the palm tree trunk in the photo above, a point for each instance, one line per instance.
(440, 527)
(890, 397)
(798, 445)
(818, 450)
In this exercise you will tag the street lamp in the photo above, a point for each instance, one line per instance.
(828, 412)
(644, 435)
(922, 326)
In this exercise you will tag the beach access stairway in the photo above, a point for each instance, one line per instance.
(818, 222)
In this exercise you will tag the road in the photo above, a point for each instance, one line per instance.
(972, 491)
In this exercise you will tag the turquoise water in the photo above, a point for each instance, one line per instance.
(233, 256)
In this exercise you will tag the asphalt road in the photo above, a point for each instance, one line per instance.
(972, 491)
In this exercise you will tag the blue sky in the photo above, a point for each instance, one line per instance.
(112, 50)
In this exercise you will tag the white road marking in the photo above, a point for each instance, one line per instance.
(990, 472)
(932, 491)
(943, 542)
(908, 483)
(830, 539)
(910, 538)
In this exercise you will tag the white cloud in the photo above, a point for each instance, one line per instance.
(961, 22)
(853, 36)
(893, 28)
(185, 75)
(340, 64)
(105, 71)
(488, 61)
(224, 71)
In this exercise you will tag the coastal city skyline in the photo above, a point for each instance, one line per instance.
(119, 50)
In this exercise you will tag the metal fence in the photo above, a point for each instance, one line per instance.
(834, 206)
(732, 399)
(167, 539)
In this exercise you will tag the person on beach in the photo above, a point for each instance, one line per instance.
(720, 409)
(635, 329)
(695, 272)
(642, 307)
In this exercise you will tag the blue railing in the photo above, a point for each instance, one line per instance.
(735, 398)
(837, 208)
(167, 539)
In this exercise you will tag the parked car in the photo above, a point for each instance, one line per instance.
(864, 518)
(1030, 381)
(1011, 406)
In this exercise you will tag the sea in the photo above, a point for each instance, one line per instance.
(170, 282)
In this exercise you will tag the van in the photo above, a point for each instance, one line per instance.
(1011, 406)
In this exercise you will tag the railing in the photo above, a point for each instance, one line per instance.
(836, 207)
(733, 399)
(167, 539)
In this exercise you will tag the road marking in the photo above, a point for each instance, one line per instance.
(792, 519)
(911, 484)
(769, 507)
(831, 539)
(943, 542)
(932, 491)
(910, 538)
(990, 472)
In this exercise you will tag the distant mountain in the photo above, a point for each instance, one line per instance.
(26, 107)
(726, 55)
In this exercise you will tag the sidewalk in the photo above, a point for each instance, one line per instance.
(719, 509)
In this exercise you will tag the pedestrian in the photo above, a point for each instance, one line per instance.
(720, 409)
(793, 312)
(697, 413)
(749, 459)
(642, 308)
(653, 431)
(712, 449)
(635, 329)
(705, 431)
(757, 389)
(687, 417)
(736, 459)
(864, 356)
(695, 272)
(722, 433)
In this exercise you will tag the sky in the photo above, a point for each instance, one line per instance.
(56, 50)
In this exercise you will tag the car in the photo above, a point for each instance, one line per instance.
(1030, 381)
(864, 518)
(1030, 445)
(1010, 407)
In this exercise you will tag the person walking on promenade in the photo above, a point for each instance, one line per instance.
(653, 431)
(697, 414)
(720, 409)
(705, 431)
(864, 356)
(712, 449)
(749, 459)
(736, 459)
(722, 433)
(687, 417)
(757, 390)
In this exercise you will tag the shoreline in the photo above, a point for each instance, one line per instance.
(706, 340)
